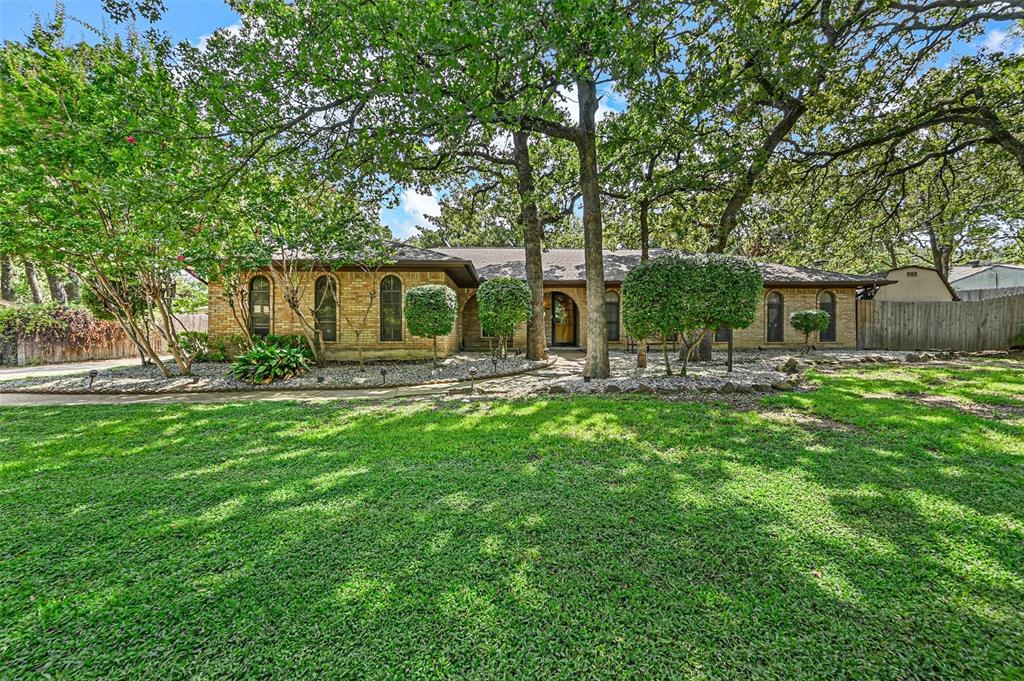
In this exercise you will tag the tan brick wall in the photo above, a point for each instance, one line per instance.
(801, 299)
(353, 292)
(354, 289)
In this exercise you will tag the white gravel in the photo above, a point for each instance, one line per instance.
(213, 376)
(753, 372)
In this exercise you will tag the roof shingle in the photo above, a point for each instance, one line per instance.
(567, 265)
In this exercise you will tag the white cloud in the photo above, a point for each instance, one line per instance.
(999, 40)
(410, 213)
(233, 29)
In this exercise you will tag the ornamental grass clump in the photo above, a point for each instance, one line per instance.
(266, 363)
(430, 312)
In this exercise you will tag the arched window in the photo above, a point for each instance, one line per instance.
(775, 309)
(827, 302)
(391, 308)
(326, 307)
(611, 313)
(259, 306)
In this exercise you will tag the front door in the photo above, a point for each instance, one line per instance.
(563, 320)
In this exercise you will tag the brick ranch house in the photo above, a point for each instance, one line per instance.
(786, 289)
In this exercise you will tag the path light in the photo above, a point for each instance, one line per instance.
(472, 379)
(320, 380)
(92, 377)
(494, 363)
(195, 379)
(383, 376)
(586, 378)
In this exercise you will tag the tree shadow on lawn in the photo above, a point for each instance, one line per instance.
(559, 537)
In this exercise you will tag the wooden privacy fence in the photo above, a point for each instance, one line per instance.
(975, 325)
(28, 352)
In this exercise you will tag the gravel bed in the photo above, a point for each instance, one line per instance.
(212, 377)
(753, 371)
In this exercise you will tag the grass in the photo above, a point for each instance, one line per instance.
(823, 535)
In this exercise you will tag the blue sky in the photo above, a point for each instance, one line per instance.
(191, 20)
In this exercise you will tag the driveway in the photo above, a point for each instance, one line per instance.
(11, 373)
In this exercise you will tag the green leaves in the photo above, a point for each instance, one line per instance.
(504, 305)
(268, 362)
(430, 311)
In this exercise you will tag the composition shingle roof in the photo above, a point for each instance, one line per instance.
(964, 271)
(567, 265)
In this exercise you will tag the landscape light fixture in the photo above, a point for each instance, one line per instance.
(472, 379)
(195, 379)
(320, 380)
(494, 363)
(383, 376)
(92, 377)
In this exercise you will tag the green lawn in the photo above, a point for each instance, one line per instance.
(855, 531)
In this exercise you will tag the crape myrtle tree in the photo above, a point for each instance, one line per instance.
(295, 228)
(103, 173)
(369, 85)
(808, 322)
(430, 312)
(504, 304)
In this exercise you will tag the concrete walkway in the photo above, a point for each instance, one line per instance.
(567, 362)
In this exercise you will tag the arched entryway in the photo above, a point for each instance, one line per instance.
(565, 319)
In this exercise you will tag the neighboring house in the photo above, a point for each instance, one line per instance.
(914, 283)
(978, 280)
(787, 289)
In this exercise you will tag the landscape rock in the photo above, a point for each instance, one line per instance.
(610, 388)
(783, 386)
(728, 388)
(762, 387)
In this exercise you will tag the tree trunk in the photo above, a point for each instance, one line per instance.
(6, 278)
(704, 349)
(33, 282)
(73, 289)
(536, 341)
(597, 328)
(742, 192)
(664, 352)
(645, 254)
(57, 294)
(435, 351)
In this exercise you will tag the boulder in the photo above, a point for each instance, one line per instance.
(762, 387)
(783, 386)
(743, 388)
(610, 388)
(790, 366)
(644, 388)
(728, 388)
(913, 358)
(557, 389)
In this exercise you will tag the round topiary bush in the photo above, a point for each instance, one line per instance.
(809, 321)
(430, 312)
(504, 304)
(689, 294)
(654, 301)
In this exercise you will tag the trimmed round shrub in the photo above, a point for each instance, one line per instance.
(654, 300)
(688, 294)
(430, 312)
(809, 321)
(504, 304)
